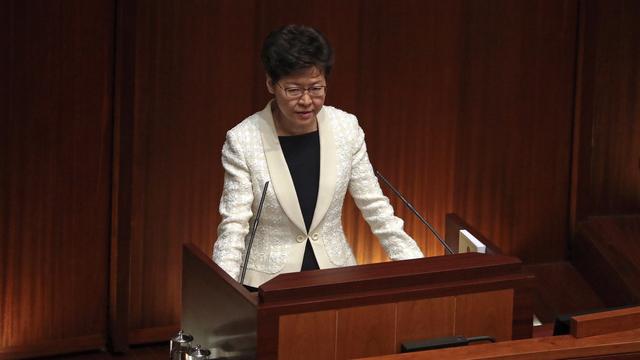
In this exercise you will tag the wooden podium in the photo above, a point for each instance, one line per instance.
(356, 311)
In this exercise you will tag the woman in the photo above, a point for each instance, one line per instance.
(311, 154)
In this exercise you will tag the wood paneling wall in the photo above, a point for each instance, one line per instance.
(408, 106)
(468, 107)
(511, 173)
(55, 174)
(193, 80)
(607, 167)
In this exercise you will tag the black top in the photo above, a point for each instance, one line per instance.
(302, 153)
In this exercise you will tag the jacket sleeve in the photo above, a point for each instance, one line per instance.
(375, 207)
(235, 209)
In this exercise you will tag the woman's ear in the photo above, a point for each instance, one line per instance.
(270, 85)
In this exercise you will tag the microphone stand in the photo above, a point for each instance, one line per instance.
(253, 232)
(413, 210)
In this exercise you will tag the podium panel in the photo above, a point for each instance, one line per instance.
(311, 331)
(364, 330)
(356, 311)
(426, 318)
(485, 313)
(219, 313)
(380, 329)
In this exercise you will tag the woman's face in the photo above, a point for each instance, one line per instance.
(296, 114)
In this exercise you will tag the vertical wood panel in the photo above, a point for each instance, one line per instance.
(512, 159)
(122, 175)
(489, 313)
(408, 106)
(366, 331)
(194, 81)
(467, 108)
(608, 155)
(312, 334)
(55, 158)
(425, 319)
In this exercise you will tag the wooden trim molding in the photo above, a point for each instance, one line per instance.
(123, 116)
(153, 335)
(605, 322)
(53, 347)
(581, 135)
(545, 348)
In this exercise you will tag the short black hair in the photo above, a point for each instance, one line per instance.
(292, 48)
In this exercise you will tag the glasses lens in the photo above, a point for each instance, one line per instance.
(293, 92)
(316, 91)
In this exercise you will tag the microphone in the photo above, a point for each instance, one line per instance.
(254, 228)
(440, 343)
(413, 210)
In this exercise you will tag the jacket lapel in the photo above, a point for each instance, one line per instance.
(328, 165)
(279, 171)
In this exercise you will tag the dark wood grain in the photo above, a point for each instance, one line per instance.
(55, 174)
(366, 331)
(606, 253)
(618, 345)
(122, 177)
(523, 309)
(312, 335)
(628, 356)
(153, 334)
(193, 80)
(609, 151)
(454, 224)
(408, 106)
(605, 322)
(418, 273)
(458, 115)
(425, 319)
(561, 289)
(581, 138)
(50, 347)
(511, 178)
(487, 313)
(147, 352)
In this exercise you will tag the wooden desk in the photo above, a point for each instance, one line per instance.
(608, 345)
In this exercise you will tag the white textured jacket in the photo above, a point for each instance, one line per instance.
(251, 156)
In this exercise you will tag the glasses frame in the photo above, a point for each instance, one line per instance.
(306, 90)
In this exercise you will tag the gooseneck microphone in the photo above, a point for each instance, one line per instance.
(254, 228)
(413, 210)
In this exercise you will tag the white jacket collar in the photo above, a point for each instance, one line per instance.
(281, 177)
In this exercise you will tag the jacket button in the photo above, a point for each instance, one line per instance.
(315, 236)
(300, 238)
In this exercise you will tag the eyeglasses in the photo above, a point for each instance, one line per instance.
(296, 92)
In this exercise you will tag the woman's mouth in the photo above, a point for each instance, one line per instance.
(305, 114)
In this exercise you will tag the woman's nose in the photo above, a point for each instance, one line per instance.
(305, 99)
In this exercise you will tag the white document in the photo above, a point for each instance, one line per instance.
(469, 243)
